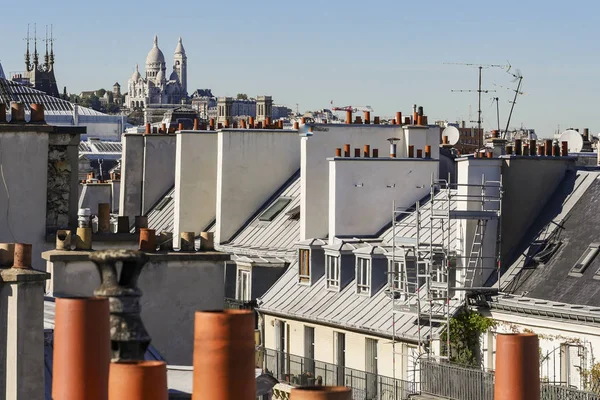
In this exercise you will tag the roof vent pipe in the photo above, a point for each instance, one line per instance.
(406, 120)
(393, 142)
(509, 150)
(164, 127)
(586, 134)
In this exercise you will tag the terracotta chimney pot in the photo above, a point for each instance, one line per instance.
(81, 357)
(338, 152)
(346, 150)
(195, 124)
(366, 151)
(147, 240)
(148, 129)
(134, 380)
(348, 116)
(37, 113)
(296, 125)
(411, 151)
(17, 112)
(398, 118)
(357, 153)
(224, 358)
(321, 393)
(22, 257)
(517, 367)
(367, 117)
(375, 153)
(104, 217)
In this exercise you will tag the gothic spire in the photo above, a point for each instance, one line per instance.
(51, 45)
(46, 56)
(35, 52)
(27, 57)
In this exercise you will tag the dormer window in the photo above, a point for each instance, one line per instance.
(332, 265)
(363, 275)
(304, 265)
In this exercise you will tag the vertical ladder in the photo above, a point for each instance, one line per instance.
(475, 259)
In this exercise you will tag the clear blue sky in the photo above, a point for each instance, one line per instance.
(385, 53)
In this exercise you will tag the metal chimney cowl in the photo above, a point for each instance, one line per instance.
(129, 338)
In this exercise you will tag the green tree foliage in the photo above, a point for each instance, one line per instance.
(92, 102)
(100, 92)
(242, 96)
(465, 329)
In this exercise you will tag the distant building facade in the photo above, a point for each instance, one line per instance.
(155, 88)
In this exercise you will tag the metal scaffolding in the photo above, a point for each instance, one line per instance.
(434, 265)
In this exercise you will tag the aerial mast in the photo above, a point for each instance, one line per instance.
(479, 90)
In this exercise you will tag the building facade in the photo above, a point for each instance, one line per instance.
(155, 88)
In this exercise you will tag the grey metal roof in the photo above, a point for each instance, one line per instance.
(274, 238)
(346, 309)
(571, 220)
(99, 147)
(13, 91)
(163, 219)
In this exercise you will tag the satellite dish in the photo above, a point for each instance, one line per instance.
(574, 140)
(452, 133)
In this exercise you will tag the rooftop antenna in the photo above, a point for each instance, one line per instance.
(517, 78)
(479, 90)
(496, 99)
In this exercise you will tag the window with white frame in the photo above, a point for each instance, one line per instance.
(333, 271)
(363, 275)
(398, 278)
(243, 285)
(304, 265)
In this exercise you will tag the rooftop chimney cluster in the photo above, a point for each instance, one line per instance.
(99, 346)
(418, 118)
(366, 152)
(91, 178)
(17, 113)
(212, 125)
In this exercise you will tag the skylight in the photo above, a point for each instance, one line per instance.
(585, 260)
(294, 213)
(271, 212)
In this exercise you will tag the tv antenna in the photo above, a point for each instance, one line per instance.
(497, 99)
(479, 90)
(517, 78)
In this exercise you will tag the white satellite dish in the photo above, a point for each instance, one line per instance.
(452, 133)
(574, 140)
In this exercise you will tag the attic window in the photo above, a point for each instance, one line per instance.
(363, 275)
(163, 203)
(333, 271)
(277, 207)
(585, 260)
(294, 213)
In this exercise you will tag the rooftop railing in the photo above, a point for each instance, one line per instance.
(302, 371)
(451, 381)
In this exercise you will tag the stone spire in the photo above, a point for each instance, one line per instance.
(27, 56)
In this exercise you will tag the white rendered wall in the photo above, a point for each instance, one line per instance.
(94, 193)
(470, 171)
(252, 165)
(551, 333)
(324, 346)
(320, 145)
(195, 181)
(362, 191)
(25, 169)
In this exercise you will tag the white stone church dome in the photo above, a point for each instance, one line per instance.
(155, 56)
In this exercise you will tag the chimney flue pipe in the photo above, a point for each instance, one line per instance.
(548, 147)
(517, 367)
(346, 150)
(518, 148)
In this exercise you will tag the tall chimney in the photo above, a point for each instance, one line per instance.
(517, 367)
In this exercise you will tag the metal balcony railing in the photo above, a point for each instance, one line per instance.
(234, 304)
(451, 381)
(302, 371)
